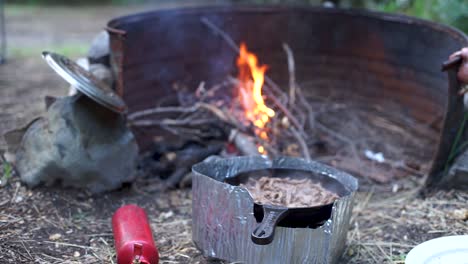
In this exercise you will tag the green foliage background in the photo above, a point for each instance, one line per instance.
(450, 12)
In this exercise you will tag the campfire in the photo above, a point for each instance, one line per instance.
(239, 110)
(235, 112)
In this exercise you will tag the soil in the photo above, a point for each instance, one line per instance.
(56, 225)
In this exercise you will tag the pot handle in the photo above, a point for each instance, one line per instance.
(264, 233)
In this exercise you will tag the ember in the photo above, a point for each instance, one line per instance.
(289, 192)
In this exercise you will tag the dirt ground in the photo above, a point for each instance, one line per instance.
(53, 225)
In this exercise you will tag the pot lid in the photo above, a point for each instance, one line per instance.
(85, 82)
(450, 249)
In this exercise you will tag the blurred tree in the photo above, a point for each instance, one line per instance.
(451, 12)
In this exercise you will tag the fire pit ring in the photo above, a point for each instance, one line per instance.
(390, 61)
(223, 215)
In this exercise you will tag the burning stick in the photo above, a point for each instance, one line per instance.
(189, 121)
(256, 126)
(245, 144)
(268, 81)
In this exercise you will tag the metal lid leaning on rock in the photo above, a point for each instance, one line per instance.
(85, 82)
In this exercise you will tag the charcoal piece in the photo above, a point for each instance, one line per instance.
(13, 141)
(99, 50)
(187, 179)
(80, 144)
(172, 162)
(187, 157)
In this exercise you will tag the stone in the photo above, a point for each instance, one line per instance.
(102, 72)
(457, 176)
(13, 140)
(54, 237)
(79, 143)
(99, 50)
(83, 62)
(460, 214)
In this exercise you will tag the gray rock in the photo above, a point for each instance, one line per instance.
(102, 72)
(13, 140)
(99, 50)
(458, 174)
(79, 143)
(83, 62)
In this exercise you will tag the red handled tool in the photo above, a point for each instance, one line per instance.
(134, 242)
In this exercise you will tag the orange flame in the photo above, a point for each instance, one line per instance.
(251, 93)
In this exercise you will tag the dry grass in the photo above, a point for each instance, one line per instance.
(385, 225)
(48, 225)
(384, 229)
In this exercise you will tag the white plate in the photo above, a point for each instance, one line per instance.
(442, 250)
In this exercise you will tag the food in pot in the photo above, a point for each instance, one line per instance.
(288, 192)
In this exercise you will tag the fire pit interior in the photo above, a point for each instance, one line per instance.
(367, 95)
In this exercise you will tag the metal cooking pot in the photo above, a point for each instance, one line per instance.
(224, 213)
